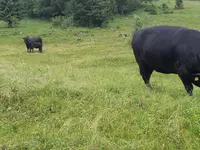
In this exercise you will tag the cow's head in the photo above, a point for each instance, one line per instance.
(26, 39)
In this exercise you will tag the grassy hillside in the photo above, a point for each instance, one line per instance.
(85, 92)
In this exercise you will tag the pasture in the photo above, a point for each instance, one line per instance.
(85, 91)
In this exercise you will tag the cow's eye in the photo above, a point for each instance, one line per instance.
(196, 79)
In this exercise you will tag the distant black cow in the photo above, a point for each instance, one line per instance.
(168, 49)
(34, 42)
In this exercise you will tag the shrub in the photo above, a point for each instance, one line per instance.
(67, 22)
(90, 13)
(179, 4)
(140, 23)
(127, 6)
(151, 9)
(56, 21)
(62, 21)
(10, 12)
(166, 9)
(15, 21)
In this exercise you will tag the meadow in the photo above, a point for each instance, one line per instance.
(84, 92)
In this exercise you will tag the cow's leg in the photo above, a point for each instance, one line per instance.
(145, 72)
(187, 84)
(40, 49)
(186, 79)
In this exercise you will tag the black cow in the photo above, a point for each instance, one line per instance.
(34, 42)
(168, 49)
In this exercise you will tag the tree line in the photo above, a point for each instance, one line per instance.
(86, 13)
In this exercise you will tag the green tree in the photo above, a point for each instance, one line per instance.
(44, 8)
(10, 12)
(87, 13)
(90, 13)
(30, 8)
(58, 7)
(127, 6)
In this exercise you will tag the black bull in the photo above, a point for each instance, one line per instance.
(34, 42)
(168, 49)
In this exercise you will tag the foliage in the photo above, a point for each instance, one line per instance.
(28, 7)
(10, 12)
(165, 9)
(154, 9)
(87, 13)
(127, 6)
(151, 9)
(62, 21)
(96, 13)
(140, 23)
(92, 13)
(179, 4)
(58, 7)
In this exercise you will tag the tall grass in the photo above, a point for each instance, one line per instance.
(85, 91)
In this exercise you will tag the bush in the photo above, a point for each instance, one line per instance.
(127, 6)
(86, 13)
(90, 13)
(166, 9)
(62, 21)
(56, 21)
(10, 12)
(179, 4)
(67, 22)
(15, 21)
(140, 23)
(151, 9)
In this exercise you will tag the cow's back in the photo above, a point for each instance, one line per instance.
(155, 38)
(156, 46)
(36, 39)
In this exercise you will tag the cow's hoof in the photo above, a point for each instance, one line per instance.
(149, 86)
(190, 93)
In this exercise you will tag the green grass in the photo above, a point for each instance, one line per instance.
(87, 94)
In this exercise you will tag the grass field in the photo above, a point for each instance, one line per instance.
(85, 92)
